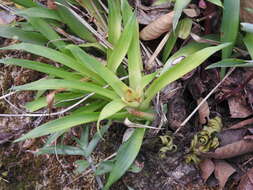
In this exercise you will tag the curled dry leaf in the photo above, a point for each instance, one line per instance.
(204, 111)
(206, 168)
(229, 136)
(50, 98)
(222, 172)
(51, 4)
(239, 107)
(158, 27)
(246, 182)
(191, 12)
(231, 150)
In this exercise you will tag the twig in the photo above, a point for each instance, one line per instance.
(204, 100)
(157, 51)
(7, 95)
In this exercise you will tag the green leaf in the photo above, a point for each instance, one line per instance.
(121, 48)
(216, 2)
(53, 137)
(114, 23)
(180, 69)
(147, 79)
(248, 40)
(22, 35)
(125, 157)
(96, 139)
(104, 167)
(57, 57)
(59, 97)
(110, 109)
(178, 8)
(94, 65)
(135, 61)
(65, 123)
(185, 28)
(231, 63)
(187, 50)
(39, 12)
(25, 3)
(42, 67)
(82, 165)
(61, 150)
(73, 23)
(229, 26)
(45, 29)
(50, 84)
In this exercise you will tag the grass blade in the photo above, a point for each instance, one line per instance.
(179, 6)
(50, 84)
(22, 35)
(231, 63)
(61, 150)
(42, 67)
(125, 157)
(178, 70)
(229, 26)
(57, 57)
(93, 64)
(121, 48)
(248, 41)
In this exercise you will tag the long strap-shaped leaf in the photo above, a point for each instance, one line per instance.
(42, 67)
(125, 157)
(121, 48)
(25, 36)
(229, 26)
(178, 70)
(110, 109)
(179, 6)
(49, 84)
(93, 64)
(248, 40)
(45, 29)
(114, 23)
(56, 56)
(65, 123)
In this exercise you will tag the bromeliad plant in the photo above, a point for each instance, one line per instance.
(116, 90)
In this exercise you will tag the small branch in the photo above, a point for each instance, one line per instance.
(204, 100)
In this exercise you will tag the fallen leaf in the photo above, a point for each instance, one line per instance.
(231, 150)
(206, 168)
(245, 15)
(6, 17)
(246, 182)
(242, 124)
(191, 12)
(229, 136)
(239, 107)
(203, 111)
(222, 172)
(156, 28)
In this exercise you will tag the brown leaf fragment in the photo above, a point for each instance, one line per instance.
(51, 4)
(206, 168)
(230, 136)
(204, 111)
(158, 27)
(242, 124)
(231, 150)
(6, 17)
(246, 182)
(222, 172)
(246, 16)
(191, 12)
(239, 107)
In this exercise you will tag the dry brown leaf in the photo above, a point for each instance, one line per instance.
(246, 182)
(204, 111)
(207, 168)
(50, 98)
(231, 150)
(230, 136)
(239, 107)
(242, 124)
(191, 12)
(222, 172)
(6, 17)
(158, 27)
